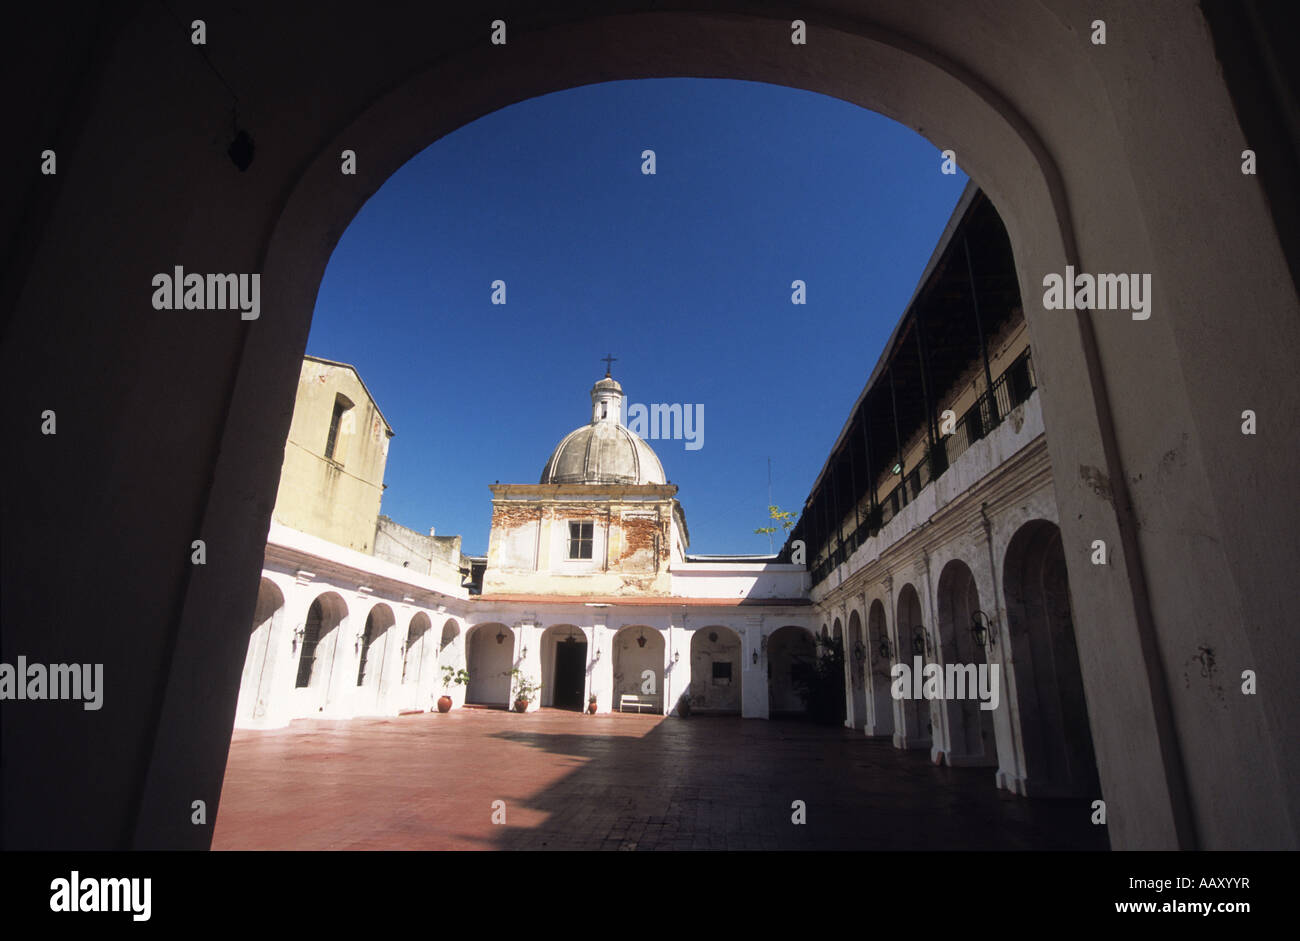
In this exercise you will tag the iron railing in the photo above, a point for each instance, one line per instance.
(1010, 390)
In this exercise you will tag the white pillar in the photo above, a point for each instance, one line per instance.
(754, 700)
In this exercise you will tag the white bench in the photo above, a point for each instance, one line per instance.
(631, 699)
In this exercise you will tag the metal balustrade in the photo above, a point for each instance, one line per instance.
(1010, 390)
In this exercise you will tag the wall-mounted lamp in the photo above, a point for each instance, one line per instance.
(886, 652)
(524, 655)
(920, 640)
(640, 641)
(298, 633)
(677, 655)
(597, 653)
(501, 636)
(859, 652)
(755, 658)
(983, 630)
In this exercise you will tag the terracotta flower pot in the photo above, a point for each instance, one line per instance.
(444, 704)
(521, 705)
(591, 708)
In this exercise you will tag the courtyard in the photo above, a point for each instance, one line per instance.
(568, 781)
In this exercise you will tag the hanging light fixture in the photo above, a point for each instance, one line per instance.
(640, 641)
(983, 630)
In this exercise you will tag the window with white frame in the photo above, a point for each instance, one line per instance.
(580, 537)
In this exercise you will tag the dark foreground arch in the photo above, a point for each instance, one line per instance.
(1122, 161)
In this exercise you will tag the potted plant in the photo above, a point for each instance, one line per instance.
(450, 677)
(591, 704)
(525, 690)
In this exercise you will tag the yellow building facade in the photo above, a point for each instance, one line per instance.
(332, 478)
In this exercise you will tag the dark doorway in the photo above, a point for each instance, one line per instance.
(570, 666)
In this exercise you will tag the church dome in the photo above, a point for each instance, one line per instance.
(603, 451)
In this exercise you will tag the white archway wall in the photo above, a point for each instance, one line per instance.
(975, 530)
(712, 644)
(490, 655)
(858, 668)
(260, 662)
(333, 692)
(970, 736)
(552, 635)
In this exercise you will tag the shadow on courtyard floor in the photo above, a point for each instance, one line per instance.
(568, 781)
(730, 783)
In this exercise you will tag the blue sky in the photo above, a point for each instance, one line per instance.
(684, 276)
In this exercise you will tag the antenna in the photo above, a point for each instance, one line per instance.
(770, 547)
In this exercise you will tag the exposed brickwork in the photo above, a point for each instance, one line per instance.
(513, 515)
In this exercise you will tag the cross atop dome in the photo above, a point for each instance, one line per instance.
(608, 360)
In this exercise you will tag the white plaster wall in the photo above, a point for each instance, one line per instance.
(738, 580)
(708, 695)
(632, 660)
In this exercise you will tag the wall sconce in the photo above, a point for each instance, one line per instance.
(298, 633)
(886, 652)
(501, 636)
(762, 645)
(755, 658)
(920, 640)
(640, 641)
(677, 655)
(524, 655)
(597, 653)
(859, 652)
(983, 630)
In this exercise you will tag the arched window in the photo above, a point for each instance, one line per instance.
(341, 404)
(310, 638)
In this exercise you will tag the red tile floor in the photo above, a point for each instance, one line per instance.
(571, 781)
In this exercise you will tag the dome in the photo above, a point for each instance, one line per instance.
(603, 451)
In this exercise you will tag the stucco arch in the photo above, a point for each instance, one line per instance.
(881, 655)
(971, 738)
(416, 649)
(638, 653)
(261, 661)
(489, 657)
(856, 654)
(318, 659)
(917, 726)
(373, 648)
(716, 689)
(1114, 160)
(787, 646)
(555, 637)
